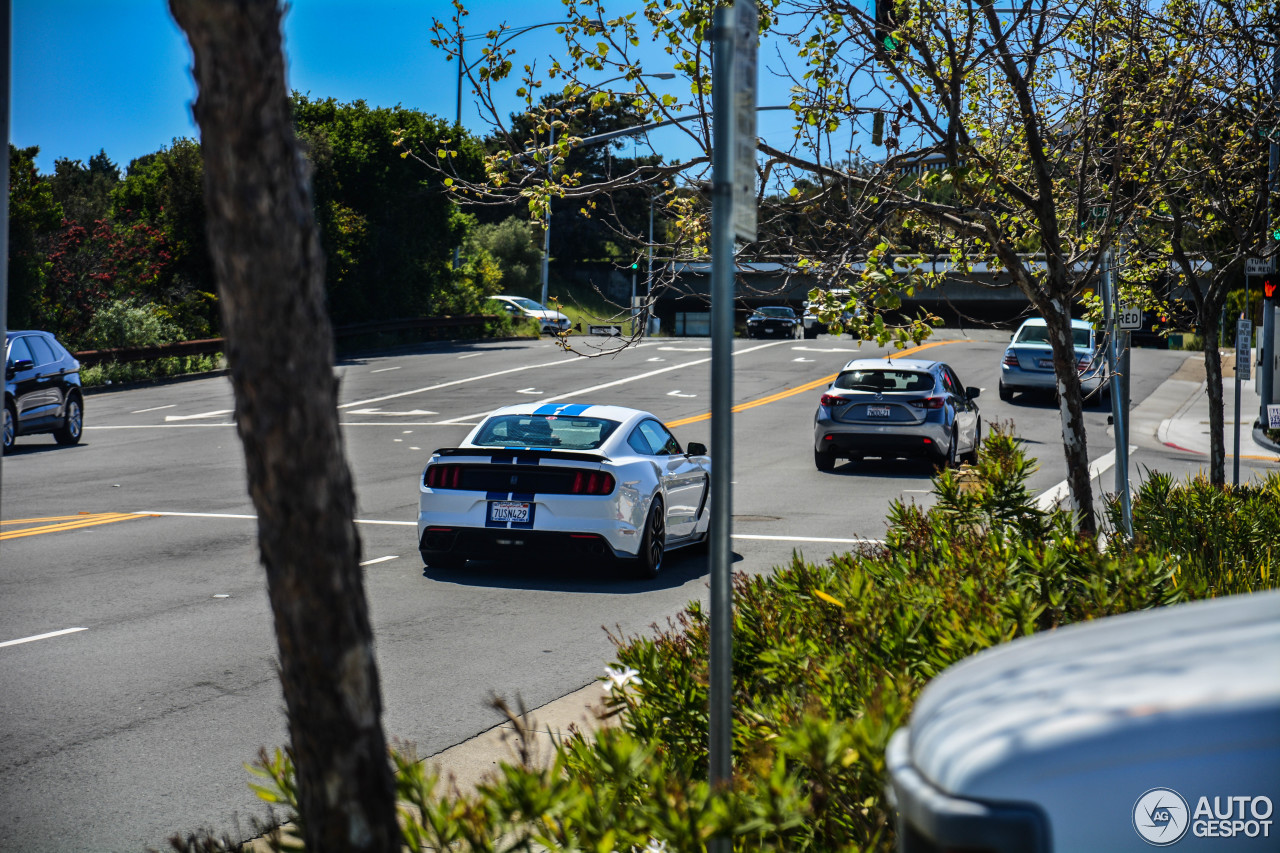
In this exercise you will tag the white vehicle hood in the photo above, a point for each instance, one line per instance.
(1176, 696)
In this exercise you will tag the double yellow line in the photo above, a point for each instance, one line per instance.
(60, 523)
(808, 386)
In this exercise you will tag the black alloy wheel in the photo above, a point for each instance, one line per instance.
(73, 425)
(1005, 393)
(654, 543)
(824, 460)
(10, 427)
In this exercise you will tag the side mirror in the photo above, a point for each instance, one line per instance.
(696, 449)
(971, 392)
(19, 366)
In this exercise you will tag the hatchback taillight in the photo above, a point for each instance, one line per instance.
(833, 400)
(443, 477)
(1011, 358)
(591, 483)
(929, 403)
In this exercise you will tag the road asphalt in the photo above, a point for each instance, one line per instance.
(1173, 416)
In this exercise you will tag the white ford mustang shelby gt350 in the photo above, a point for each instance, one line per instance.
(561, 480)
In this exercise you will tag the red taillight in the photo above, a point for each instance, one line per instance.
(1083, 364)
(929, 403)
(833, 400)
(591, 483)
(443, 476)
(1011, 358)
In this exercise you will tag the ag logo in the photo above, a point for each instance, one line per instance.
(1161, 817)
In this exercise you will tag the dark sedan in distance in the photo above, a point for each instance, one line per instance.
(41, 389)
(774, 322)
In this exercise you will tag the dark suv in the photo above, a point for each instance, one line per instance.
(41, 389)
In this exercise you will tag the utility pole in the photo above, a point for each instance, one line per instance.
(1119, 410)
(1267, 338)
(735, 33)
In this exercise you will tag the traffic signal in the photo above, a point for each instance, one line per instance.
(1269, 287)
(886, 23)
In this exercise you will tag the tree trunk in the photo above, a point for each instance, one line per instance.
(1209, 329)
(1075, 446)
(270, 273)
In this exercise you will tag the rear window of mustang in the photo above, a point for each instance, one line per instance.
(567, 433)
(912, 381)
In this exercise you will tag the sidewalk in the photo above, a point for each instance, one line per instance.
(1188, 428)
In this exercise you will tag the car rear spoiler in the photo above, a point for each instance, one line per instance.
(524, 455)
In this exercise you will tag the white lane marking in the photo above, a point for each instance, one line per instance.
(676, 393)
(685, 349)
(254, 517)
(1054, 496)
(411, 413)
(816, 349)
(216, 414)
(655, 358)
(531, 390)
(470, 355)
(41, 637)
(765, 538)
(378, 560)
(384, 369)
(803, 360)
(155, 409)
(453, 382)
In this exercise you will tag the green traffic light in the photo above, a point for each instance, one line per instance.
(1275, 235)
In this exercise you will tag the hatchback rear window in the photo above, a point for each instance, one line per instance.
(545, 431)
(882, 380)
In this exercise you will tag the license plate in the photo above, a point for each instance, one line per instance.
(1045, 363)
(509, 511)
(877, 411)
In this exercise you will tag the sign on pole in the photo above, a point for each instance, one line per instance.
(1244, 351)
(1259, 266)
(1130, 317)
(1273, 417)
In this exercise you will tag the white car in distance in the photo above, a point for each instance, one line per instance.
(523, 308)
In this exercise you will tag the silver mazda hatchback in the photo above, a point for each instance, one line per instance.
(896, 407)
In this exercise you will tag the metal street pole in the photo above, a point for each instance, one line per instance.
(1118, 412)
(720, 693)
(1266, 343)
(546, 223)
(4, 181)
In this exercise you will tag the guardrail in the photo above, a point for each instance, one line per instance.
(210, 346)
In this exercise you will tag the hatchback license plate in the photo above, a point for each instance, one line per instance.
(877, 411)
(509, 511)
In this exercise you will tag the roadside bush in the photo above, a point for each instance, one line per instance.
(827, 661)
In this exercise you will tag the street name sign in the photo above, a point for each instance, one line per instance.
(1244, 354)
(611, 331)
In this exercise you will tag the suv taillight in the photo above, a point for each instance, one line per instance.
(591, 483)
(443, 477)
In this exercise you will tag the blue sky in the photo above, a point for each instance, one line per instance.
(115, 74)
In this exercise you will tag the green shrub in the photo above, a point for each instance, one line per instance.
(827, 661)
